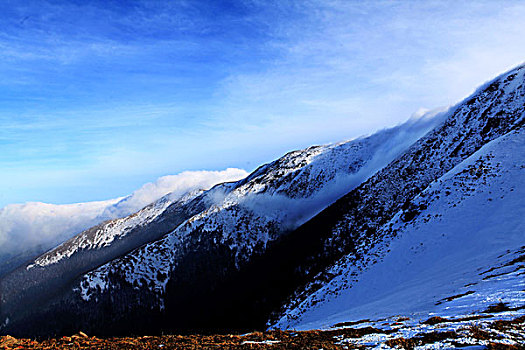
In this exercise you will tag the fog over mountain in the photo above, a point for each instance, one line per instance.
(31, 228)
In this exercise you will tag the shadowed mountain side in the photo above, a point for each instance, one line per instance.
(232, 267)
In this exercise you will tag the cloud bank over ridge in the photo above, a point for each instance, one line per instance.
(34, 226)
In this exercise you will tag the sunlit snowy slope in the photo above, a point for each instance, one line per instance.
(428, 226)
(423, 218)
(463, 252)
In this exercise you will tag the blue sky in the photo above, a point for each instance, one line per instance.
(99, 97)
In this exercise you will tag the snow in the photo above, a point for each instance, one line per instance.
(262, 342)
(71, 219)
(276, 197)
(471, 224)
(461, 332)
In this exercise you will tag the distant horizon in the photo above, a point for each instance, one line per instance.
(100, 98)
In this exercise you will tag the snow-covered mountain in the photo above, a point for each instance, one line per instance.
(243, 219)
(239, 218)
(27, 230)
(460, 254)
(292, 240)
(445, 218)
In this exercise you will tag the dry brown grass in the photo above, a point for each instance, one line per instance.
(435, 320)
(278, 340)
(479, 333)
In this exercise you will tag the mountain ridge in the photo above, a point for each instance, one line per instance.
(383, 184)
(260, 245)
(29, 230)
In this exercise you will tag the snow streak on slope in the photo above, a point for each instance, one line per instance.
(277, 197)
(460, 254)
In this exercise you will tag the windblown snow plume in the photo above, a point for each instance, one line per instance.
(175, 185)
(31, 228)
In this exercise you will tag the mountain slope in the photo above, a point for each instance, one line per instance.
(462, 253)
(28, 230)
(251, 246)
(216, 231)
(357, 225)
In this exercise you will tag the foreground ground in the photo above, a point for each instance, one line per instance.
(476, 332)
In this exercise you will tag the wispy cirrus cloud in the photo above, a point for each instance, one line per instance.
(102, 96)
(373, 64)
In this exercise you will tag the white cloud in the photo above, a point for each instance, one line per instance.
(365, 65)
(35, 226)
(382, 148)
(175, 185)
